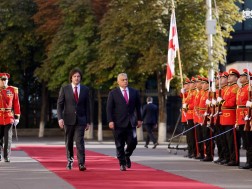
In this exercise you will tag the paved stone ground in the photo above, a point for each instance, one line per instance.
(26, 173)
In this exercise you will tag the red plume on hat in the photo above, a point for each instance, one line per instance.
(4, 75)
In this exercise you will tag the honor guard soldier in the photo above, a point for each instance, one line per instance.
(221, 85)
(9, 113)
(196, 117)
(243, 113)
(204, 110)
(228, 119)
(241, 110)
(183, 95)
(188, 106)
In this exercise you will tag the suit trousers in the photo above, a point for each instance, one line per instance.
(232, 144)
(75, 133)
(217, 131)
(248, 135)
(6, 132)
(125, 135)
(150, 135)
(209, 144)
(191, 138)
(199, 137)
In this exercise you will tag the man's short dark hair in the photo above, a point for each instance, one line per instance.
(74, 71)
(149, 99)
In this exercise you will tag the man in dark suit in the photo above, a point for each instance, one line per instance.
(74, 116)
(150, 118)
(124, 115)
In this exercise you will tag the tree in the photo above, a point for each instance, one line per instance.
(134, 38)
(19, 51)
(47, 20)
(73, 44)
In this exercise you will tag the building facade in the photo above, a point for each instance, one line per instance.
(239, 48)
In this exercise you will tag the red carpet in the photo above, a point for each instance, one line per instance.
(103, 172)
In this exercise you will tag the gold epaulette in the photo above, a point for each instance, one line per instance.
(14, 88)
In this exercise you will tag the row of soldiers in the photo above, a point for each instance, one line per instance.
(218, 112)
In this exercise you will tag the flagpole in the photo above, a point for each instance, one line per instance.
(179, 60)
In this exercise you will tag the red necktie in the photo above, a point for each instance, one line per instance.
(125, 95)
(76, 94)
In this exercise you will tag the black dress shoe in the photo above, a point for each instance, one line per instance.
(7, 160)
(122, 168)
(223, 162)
(82, 167)
(69, 165)
(218, 160)
(246, 166)
(191, 156)
(155, 145)
(128, 162)
(146, 146)
(199, 157)
(206, 159)
(232, 163)
(0, 157)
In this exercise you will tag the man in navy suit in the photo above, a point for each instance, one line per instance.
(124, 115)
(150, 118)
(73, 112)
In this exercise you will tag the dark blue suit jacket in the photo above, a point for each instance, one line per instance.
(150, 114)
(71, 111)
(121, 113)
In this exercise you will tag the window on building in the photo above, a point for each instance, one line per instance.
(235, 52)
(248, 51)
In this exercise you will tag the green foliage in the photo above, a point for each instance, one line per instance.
(18, 44)
(132, 41)
(132, 38)
(72, 46)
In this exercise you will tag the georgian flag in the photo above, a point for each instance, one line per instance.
(173, 46)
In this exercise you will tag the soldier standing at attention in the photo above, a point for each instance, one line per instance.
(242, 117)
(9, 113)
(228, 119)
(188, 106)
(196, 118)
(221, 85)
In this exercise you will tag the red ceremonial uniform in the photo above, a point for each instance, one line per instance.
(190, 103)
(9, 105)
(228, 108)
(196, 105)
(241, 99)
(202, 105)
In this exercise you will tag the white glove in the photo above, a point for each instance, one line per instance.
(246, 118)
(183, 90)
(205, 114)
(219, 99)
(16, 121)
(248, 104)
(214, 102)
(184, 106)
(208, 102)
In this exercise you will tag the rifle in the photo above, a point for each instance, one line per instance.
(213, 105)
(218, 113)
(248, 117)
